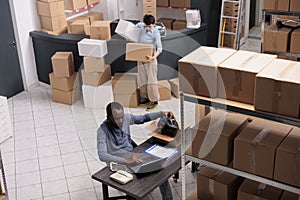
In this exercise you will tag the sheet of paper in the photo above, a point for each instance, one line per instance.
(161, 152)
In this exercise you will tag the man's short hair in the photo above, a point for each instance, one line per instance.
(111, 106)
(148, 19)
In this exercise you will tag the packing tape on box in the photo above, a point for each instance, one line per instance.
(211, 183)
(261, 187)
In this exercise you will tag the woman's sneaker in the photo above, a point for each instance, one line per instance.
(152, 106)
(144, 102)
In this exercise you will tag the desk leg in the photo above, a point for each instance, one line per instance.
(105, 192)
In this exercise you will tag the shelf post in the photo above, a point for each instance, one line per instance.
(183, 192)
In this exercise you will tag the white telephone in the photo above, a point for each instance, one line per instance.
(121, 176)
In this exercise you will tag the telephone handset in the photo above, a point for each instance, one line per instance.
(121, 176)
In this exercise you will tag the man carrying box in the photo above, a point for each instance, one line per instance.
(147, 71)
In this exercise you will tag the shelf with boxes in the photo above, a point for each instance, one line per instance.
(81, 9)
(254, 141)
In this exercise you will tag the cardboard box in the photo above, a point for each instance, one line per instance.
(93, 96)
(96, 78)
(277, 87)
(164, 3)
(79, 18)
(128, 30)
(128, 100)
(295, 41)
(74, 4)
(164, 90)
(90, 2)
(94, 16)
(215, 184)
(63, 64)
(50, 1)
(58, 32)
(291, 58)
(92, 48)
(79, 27)
(282, 5)
(150, 11)
(124, 83)
(64, 97)
(65, 83)
(198, 70)
(92, 64)
(54, 23)
(250, 190)
(214, 136)
(149, 4)
(180, 3)
(287, 159)
(294, 6)
(100, 30)
(174, 83)
(236, 77)
(138, 51)
(255, 146)
(168, 22)
(200, 112)
(289, 196)
(50, 9)
(179, 24)
(276, 40)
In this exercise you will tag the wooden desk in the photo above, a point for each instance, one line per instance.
(139, 187)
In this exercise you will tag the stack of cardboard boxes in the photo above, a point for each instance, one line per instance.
(149, 7)
(282, 5)
(96, 74)
(100, 30)
(63, 79)
(75, 4)
(81, 24)
(52, 16)
(173, 24)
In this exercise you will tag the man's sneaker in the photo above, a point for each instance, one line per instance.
(152, 106)
(144, 102)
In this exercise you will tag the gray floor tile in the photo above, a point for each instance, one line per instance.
(79, 183)
(73, 158)
(64, 196)
(84, 194)
(50, 162)
(29, 192)
(27, 179)
(78, 169)
(55, 187)
(52, 174)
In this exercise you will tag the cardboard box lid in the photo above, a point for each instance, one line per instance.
(296, 32)
(292, 73)
(220, 122)
(291, 143)
(208, 56)
(63, 55)
(273, 28)
(217, 175)
(264, 133)
(248, 61)
(130, 47)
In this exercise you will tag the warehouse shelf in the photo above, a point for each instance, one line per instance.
(171, 7)
(81, 9)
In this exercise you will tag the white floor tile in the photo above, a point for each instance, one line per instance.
(41, 114)
(89, 143)
(70, 147)
(27, 166)
(62, 111)
(63, 119)
(23, 125)
(25, 144)
(7, 146)
(50, 162)
(10, 169)
(50, 150)
(11, 181)
(62, 128)
(79, 183)
(54, 187)
(91, 155)
(66, 137)
(58, 197)
(88, 133)
(29, 192)
(27, 179)
(84, 194)
(24, 134)
(8, 157)
(52, 174)
(95, 166)
(74, 170)
(43, 122)
(44, 131)
(23, 117)
(73, 158)
(47, 140)
(12, 194)
(86, 124)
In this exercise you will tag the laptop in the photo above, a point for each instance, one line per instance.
(149, 164)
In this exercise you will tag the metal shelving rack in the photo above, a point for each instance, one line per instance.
(234, 107)
(275, 12)
(3, 196)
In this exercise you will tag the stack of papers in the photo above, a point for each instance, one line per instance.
(160, 151)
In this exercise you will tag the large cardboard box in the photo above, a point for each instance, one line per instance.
(250, 190)
(65, 83)
(289, 196)
(124, 83)
(282, 5)
(90, 2)
(255, 146)
(295, 5)
(93, 64)
(128, 100)
(58, 32)
(179, 24)
(96, 78)
(277, 88)
(54, 23)
(81, 18)
(74, 4)
(164, 3)
(93, 96)
(64, 97)
(236, 77)
(276, 40)
(180, 3)
(92, 48)
(214, 136)
(79, 27)
(215, 184)
(164, 90)
(174, 83)
(63, 64)
(198, 70)
(295, 41)
(50, 9)
(287, 159)
(100, 30)
(138, 51)
(168, 22)
(128, 30)
(94, 16)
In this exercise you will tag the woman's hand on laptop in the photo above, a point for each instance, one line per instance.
(133, 159)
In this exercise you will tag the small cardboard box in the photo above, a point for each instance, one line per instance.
(179, 24)
(64, 97)
(287, 159)
(63, 64)
(295, 41)
(282, 5)
(128, 100)
(79, 27)
(276, 40)
(79, 18)
(124, 83)
(54, 23)
(180, 3)
(250, 190)
(174, 83)
(255, 146)
(50, 9)
(100, 30)
(289, 196)
(198, 70)
(295, 5)
(138, 51)
(149, 4)
(128, 30)
(168, 22)
(94, 16)
(215, 184)
(93, 96)
(90, 2)
(277, 88)
(164, 90)
(58, 32)
(96, 78)
(65, 83)
(164, 3)
(74, 4)
(236, 77)
(92, 48)
(93, 64)
(214, 136)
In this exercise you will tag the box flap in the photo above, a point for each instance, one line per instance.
(291, 143)
(274, 69)
(292, 73)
